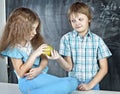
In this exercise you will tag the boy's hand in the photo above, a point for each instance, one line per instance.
(54, 55)
(83, 87)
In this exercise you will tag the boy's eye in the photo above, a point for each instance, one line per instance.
(80, 19)
(73, 21)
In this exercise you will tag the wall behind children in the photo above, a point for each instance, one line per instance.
(105, 23)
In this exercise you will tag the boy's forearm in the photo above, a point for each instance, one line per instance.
(101, 73)
(64, 64)
(98, 77)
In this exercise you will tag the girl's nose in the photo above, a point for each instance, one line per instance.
(34, 32)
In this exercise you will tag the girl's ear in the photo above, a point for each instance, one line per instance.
(89, 21)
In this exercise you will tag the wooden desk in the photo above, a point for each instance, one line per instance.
(7, 88)
(95, 92)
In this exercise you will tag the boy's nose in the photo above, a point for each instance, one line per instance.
(77, 23)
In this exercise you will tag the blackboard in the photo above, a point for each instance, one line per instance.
(105, 23)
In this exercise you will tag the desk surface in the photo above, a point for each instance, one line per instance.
(7, 88)
(95, 92)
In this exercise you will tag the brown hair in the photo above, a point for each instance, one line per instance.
(18, 26)
(79, 7)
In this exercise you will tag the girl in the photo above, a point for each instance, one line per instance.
(22, 42)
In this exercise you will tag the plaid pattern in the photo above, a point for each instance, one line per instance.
(85, 52)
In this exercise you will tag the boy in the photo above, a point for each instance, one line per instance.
(83, 50)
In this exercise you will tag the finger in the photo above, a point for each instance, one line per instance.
(31, 71)
(26, 74)
(48, 56)
(30, 77)
(44, 45)
(81, 87)
(54, 52)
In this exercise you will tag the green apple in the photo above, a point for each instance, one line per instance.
(48, 50)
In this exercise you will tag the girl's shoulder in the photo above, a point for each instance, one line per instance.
(12, 52)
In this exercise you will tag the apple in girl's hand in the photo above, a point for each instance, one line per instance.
(47, 50)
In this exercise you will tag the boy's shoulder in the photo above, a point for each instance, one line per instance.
(95, 35)
(68, 33)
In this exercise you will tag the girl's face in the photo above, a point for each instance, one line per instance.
(33, 31)
(80, 23)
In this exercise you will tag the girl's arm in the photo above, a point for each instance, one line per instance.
(44, 62)
(22, 68)
(36, 71)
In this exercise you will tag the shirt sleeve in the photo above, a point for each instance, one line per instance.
(103, 50)
(65, 46)
(12, 53)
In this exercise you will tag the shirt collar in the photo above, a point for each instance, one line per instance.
(88, 33)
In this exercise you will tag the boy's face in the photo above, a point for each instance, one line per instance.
(80, 23)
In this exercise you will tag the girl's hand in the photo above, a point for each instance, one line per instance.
(32, 73)
(83, 87)
(40, 50)
(54, 55)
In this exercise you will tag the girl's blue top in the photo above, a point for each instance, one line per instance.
(19, 53)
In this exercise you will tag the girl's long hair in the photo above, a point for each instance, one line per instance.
(18, 26)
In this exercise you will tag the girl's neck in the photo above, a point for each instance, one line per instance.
(23, 43)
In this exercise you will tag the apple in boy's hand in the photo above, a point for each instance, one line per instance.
(47, 50)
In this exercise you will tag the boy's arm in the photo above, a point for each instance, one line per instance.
(98, 77)
(101, 73)
(65, 63)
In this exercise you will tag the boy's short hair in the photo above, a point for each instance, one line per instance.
(79, 7)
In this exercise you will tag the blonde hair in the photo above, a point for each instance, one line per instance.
(79, 7)
(18, 26)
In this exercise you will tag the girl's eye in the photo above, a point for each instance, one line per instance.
(33, 28)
